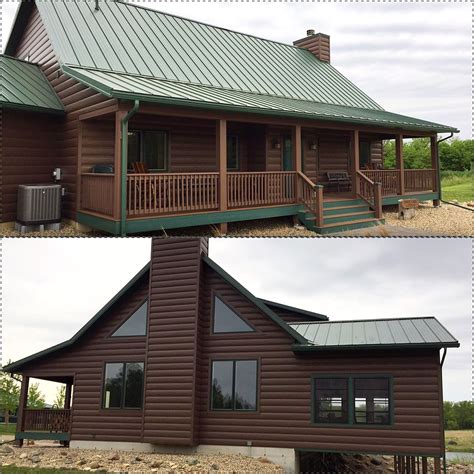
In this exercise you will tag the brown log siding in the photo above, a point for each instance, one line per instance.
(85, 362)
(76, 98)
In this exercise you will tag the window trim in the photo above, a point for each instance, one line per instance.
(141, 132)
(237, 139)
(257, 385)
(102, 392)
(351, 423)
(215, 294)
(111, 335)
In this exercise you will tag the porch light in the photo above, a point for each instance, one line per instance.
(276, 145)
(312, 145)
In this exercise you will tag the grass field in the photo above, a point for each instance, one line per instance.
(10, 429)
(457, 185)
(463, 439)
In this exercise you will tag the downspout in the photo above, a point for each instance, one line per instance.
(124, 166)
(439, 164)
(445, 350)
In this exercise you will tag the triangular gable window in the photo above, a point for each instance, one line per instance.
(135, 325)
(227, 320)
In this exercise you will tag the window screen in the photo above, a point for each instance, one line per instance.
(372, 400)
(232, 153)
(330, 404)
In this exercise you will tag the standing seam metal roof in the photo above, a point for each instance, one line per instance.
(25, 86)
(376, 333)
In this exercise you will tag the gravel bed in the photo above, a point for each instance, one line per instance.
(128, 462)
(67, 230)
(446, 220)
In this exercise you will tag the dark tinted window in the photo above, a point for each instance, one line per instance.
(331, 395)
(133, 147)
(232, 153)
(154, 150)
(227, 320)
(123, 385)
(113, 385)
(133, 385)
(372, 400)
(246, 385)
(135, 325)
(234, 385)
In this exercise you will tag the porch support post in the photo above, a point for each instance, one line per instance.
(435, 167)
(297, 160)
(400, 164)
(221, 153)
(67, 396)
(20, 423)
(356, 161)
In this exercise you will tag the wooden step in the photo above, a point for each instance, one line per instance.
(348, 215)
(329, 210)
(349, 223)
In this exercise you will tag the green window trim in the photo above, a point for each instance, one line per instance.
(233, 146)
(123, 388)
(141, 155)
(234, 363)
(351, 400)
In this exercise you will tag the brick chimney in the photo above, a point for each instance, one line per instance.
(172, 341)
(318, 44)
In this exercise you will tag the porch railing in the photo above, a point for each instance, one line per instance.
(370, 192)
(420, 180)
(312, 198)
(97, 193)
(254, 189)
(49, 420)
(390, 180)
(171, 193)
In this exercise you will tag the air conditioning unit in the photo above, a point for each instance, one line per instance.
(39, 204)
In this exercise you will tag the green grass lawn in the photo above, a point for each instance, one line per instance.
(457, 186)
(463, 439)
(10, 429)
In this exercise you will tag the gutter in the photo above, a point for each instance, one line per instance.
(438, 162)
(124, 166)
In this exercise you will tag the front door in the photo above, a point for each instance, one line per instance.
(287, 157)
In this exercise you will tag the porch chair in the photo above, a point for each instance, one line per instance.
(339, 178)
(141, 168)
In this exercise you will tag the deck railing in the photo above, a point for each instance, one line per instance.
(390, 180)
(370, 192)
(97, 193)
(312, 198)
(49, 420)
(255, 189)
(169, 193)
(420, 180)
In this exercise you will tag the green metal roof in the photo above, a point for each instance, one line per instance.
(375, 333)
(24, 86)
(292, 309)
(150, 89)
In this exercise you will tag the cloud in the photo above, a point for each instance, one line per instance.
(412, 58)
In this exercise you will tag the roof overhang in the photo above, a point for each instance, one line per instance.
(305, 348)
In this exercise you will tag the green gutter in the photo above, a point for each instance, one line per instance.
(363, 347)
(123, 171)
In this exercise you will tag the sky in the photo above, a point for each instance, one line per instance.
(52, 287)
(413, 58)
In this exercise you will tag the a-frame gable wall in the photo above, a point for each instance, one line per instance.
(85, 362)
(76, 98)
(283, 418)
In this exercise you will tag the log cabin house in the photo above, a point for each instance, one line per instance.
(185, 359)
(159, 122)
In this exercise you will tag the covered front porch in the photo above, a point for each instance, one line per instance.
(150, 168)
(46, 423)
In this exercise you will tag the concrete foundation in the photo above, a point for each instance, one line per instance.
(23, 229)
(285, 457)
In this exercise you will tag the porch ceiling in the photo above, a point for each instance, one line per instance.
(24, 86)
(151, 89)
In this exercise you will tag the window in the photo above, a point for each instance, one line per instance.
(372, 400)
(233, 153)
(149, 147)
(123, 385)
(227, 320)
(234, 385)
(363, 400)
(331, 395)
(135, 325)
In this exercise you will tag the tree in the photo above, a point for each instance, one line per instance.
(35, 397)
(60, 396)
(458, 415)
(9, 395)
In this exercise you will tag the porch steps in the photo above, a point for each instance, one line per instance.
(340, 216)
